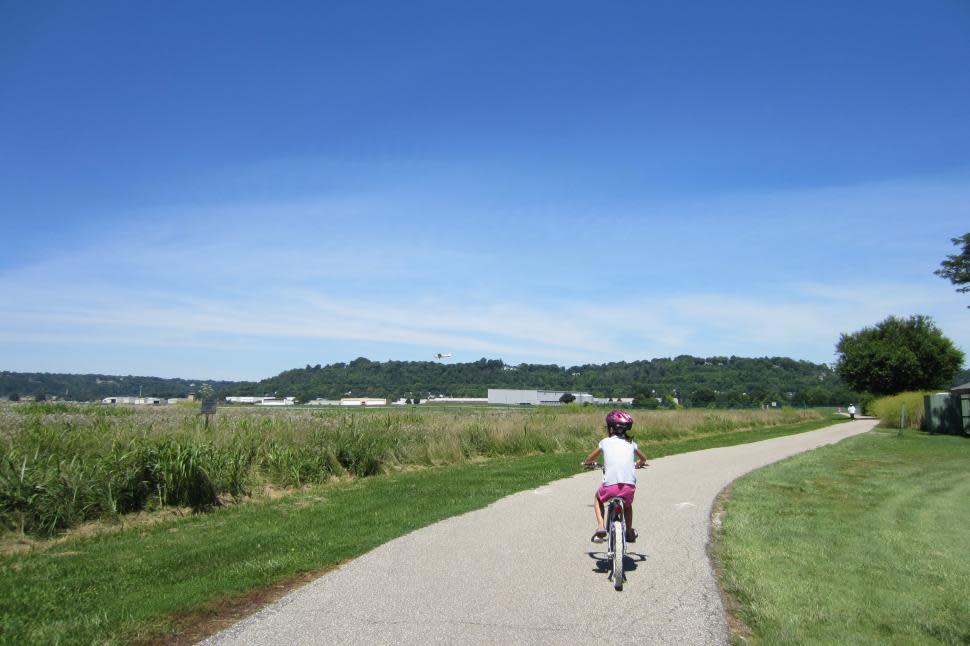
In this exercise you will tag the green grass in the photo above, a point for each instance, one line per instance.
(142, 582)
(864, 542)
(117, 587)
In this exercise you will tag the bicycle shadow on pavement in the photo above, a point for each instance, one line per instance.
(604, 564)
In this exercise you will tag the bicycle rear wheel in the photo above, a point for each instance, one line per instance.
(617, 535)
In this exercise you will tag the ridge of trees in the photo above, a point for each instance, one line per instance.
(88, 387)
(696, 381)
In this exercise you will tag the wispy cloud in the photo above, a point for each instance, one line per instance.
(702, 280)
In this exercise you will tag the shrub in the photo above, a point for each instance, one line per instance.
(889, 409)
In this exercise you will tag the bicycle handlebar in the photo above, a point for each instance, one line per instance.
(597, 465)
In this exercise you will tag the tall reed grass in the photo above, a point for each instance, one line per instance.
(889, 410)
(61, 465)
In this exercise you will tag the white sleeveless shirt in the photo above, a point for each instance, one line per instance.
(618, 461)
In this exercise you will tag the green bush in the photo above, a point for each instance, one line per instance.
(889, 409)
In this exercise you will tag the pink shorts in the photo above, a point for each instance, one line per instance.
(623, 490)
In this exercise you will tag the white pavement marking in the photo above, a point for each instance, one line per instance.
(523, 570)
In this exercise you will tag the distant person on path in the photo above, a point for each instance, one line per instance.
(619, 471)
(851, 411)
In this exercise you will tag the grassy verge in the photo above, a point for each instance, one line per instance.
(171, 578)
(864, 542)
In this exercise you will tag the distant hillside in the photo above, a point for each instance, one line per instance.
(92, 387)
(698, 381)
(729, 381)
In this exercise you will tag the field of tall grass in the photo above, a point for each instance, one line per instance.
(64, 464)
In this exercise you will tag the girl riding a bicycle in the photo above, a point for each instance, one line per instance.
(619, 471)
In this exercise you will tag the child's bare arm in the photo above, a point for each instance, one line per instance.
(592, 456)
(641, 458)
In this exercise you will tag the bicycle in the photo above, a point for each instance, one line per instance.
(615, 515)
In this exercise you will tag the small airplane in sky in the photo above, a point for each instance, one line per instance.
(442, 355)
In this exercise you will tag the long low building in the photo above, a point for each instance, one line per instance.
(135, 401)
(509, 397)
(363, 401)
(457, 400)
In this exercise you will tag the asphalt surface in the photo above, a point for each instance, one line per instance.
(524, 571)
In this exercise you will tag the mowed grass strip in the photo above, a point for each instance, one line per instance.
(116, 588)
(863, 542)
(159, 581)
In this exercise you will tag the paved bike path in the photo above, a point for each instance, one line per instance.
(523, 570)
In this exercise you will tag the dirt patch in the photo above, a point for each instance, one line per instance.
(739, 632)
(862, 467)
(16, 542)
(216, 616)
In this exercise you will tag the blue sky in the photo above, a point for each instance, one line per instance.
(229, 190)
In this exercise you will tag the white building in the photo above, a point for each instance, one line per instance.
(135, 401)
(362, 401)
(262, 401)
(457, 400)
(509, 397)
(274, 401)
(323, 402)
(625, 401)
(245, 400)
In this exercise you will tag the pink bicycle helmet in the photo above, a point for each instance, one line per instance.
(619, 421)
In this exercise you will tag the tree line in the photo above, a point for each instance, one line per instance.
(45, 385)
(693, 381)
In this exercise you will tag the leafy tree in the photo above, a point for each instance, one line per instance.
(961, 378)
(815, 396)
(956, 267)
(703, 397)
(731, 398)
(898, 355)
(567, 398)
(644, 400)
(206, 393)
(667, 401)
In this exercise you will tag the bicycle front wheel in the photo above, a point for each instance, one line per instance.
(618, 538)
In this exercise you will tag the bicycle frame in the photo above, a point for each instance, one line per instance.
(616, 511)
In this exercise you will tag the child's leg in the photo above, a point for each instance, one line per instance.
(598, 510)
(631, 534)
